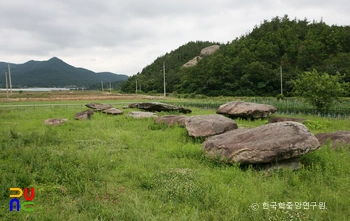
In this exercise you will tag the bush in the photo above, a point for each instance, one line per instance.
(320, 89)
(280, 97)
(153, 92)
(192, 95)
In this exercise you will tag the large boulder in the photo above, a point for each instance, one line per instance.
(337, 138)
(98, 106)
(155, 106)
(113, 111)
(263, 144)
(171, 120)
(282, 119)
(209, 125)
(84, 115)
(54, 121)
(209, 50)
(204, 52)
(136, 114)
(192, 62)
(246, 110)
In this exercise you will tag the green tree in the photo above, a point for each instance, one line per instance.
(250, 65)
(321, 89)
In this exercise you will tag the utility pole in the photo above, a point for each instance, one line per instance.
(140, 88)
(136, 86)
(7, 91)
(164, 78)
(281, 79)
(110, 88)
(10, 80)
(102, 86)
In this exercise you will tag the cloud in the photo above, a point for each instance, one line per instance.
(124, 36)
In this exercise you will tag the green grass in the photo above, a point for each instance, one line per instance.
(118, 168)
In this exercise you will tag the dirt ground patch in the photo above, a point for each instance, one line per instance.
(72, 96)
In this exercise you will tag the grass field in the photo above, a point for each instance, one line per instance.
(118, 168)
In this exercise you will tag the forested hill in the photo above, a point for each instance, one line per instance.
(54, 73)
(151, 77)
(250, 65)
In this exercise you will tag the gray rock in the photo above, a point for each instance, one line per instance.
(54, 121)
(246, 110)
(84, 115)
(209, 50)
(263, 144)
(155, 106)
(136, 114)
(99, 107)
(113, 111)
(192, 62)
(204, 52)
(338, 138)
(209, 125)
(171, 120)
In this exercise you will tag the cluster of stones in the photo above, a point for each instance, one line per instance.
(104, 108)
(283, 140)
(109, 109)
(155, 106)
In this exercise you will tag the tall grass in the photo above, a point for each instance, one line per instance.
(118, 168)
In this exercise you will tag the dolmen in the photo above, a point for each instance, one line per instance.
(104, 108)
(112, 111)
(155, 106)
(236, 109)
(269, 143)
(337, 139)
(54, 121)
(98, 106)
(137, 114)
(209, 125)
(84, 115)
(170, 120)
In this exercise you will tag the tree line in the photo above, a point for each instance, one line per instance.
(250, 65)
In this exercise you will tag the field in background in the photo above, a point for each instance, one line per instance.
(118, 168)
(289, 105)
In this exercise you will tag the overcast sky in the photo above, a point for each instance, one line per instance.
(123, 36)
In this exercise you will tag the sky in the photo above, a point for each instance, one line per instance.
(124, 36)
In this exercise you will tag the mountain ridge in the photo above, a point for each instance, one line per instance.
(54, 72)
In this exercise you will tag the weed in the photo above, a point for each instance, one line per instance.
(119, 168)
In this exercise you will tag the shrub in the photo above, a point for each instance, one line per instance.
(280, 97)
(320, 89)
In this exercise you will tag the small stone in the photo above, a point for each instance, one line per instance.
(54, 121)
(136, 114)
(84, 115)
